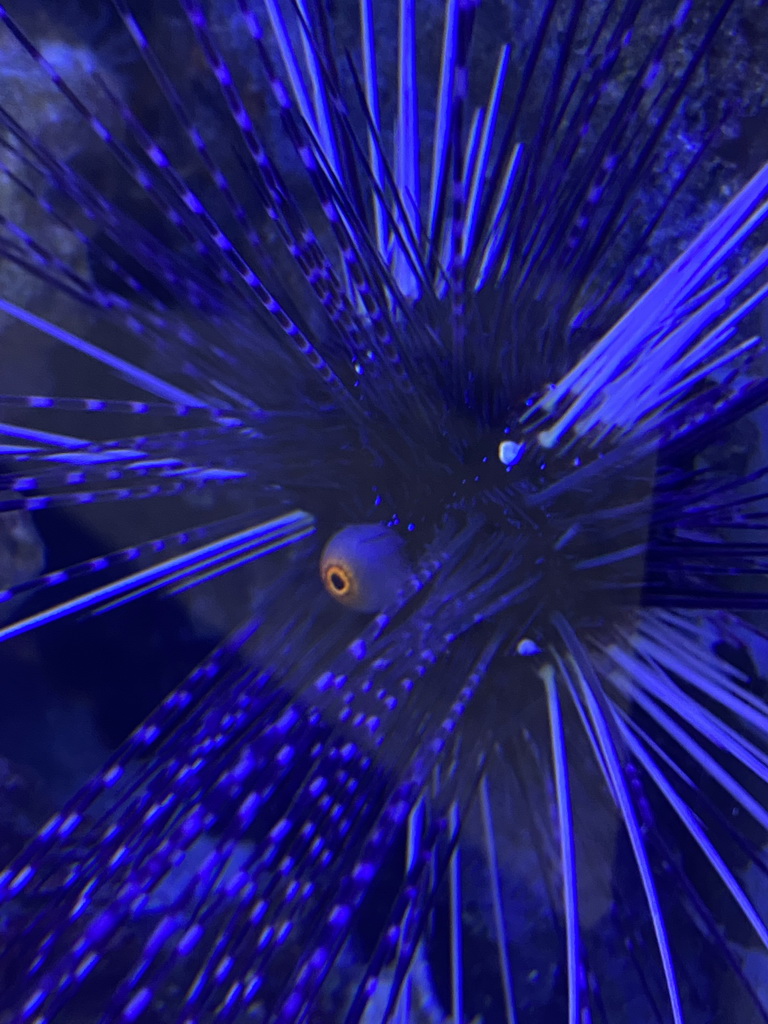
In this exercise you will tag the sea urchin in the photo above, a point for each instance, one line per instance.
(399, 326)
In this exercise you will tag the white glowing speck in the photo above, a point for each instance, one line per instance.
(510, 452)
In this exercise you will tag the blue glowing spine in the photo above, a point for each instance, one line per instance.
(333, 772)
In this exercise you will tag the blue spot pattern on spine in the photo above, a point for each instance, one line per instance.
(366, 288)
